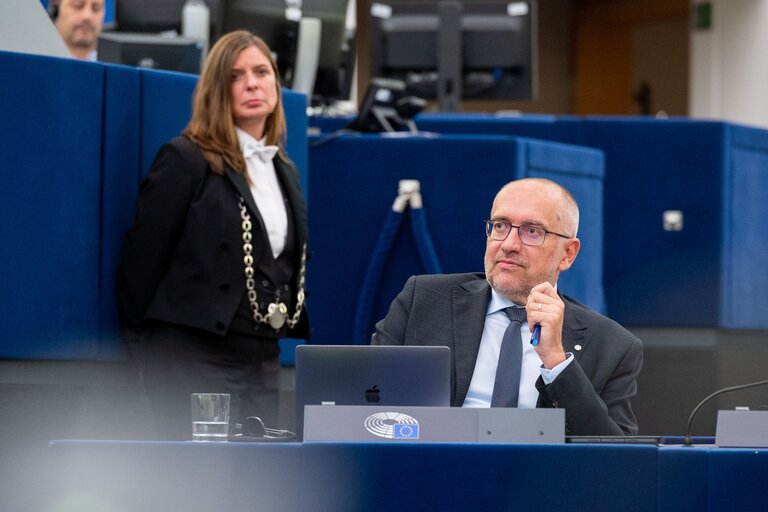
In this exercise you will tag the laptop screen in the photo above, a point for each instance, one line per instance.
(371, 375)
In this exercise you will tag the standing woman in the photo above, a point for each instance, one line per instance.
(213, 269)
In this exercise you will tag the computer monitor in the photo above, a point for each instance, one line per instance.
(267, 19)
(449, 50)
(155, 16)
(150, 51)
(386, 108)
(279, 24)
(335, 64)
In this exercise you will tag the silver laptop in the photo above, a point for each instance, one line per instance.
(371, 375)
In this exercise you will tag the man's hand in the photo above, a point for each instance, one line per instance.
(545, 308)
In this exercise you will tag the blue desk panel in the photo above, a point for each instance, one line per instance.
(355, 181)
(682, 477)
(737, 480)
(340, 477)
(354, 477)
(479, 477)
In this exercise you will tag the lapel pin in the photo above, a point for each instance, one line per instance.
(577, 347)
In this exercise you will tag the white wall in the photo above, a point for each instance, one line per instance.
(729, 63)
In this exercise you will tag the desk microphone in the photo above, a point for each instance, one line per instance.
(688, 440)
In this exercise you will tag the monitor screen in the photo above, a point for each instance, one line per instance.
(150, 51)
(154, 16)
(267, 19)
(336, 58)
(490, 49)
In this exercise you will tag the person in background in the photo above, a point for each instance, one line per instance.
(213, 269)
(583, 362)
(79, 23)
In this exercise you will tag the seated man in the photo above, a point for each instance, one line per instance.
(79, 23)
(583, 361)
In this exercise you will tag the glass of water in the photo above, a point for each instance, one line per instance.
(210, 416)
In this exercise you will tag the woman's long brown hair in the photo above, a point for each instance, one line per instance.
(212, 125)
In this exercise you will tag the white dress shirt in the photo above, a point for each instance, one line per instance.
(266, 191)
(484, 376)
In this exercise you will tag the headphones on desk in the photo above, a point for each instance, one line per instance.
(253, 430)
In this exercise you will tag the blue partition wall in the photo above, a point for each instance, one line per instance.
(710, 274)
(355, 181)
(76, 139)
(51, 148)
(122, 137)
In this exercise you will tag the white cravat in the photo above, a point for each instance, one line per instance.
(265, 153)
(265, 189)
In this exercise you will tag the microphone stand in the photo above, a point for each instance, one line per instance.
(688, 440)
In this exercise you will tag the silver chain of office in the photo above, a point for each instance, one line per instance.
(277, 311)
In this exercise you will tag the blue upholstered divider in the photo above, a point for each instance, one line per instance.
(295, 105)
(744, 235)
(166, 104)
(121, 136)
(355, 180)
(710, 274)
(51, 153)
(75, 139)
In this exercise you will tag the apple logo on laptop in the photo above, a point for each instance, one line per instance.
(373, 395)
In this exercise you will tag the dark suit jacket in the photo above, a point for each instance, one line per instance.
(595, 389)
(182, 260)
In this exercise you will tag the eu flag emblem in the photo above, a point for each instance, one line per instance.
(406, 431)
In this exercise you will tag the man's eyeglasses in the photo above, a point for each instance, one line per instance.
(529, 234)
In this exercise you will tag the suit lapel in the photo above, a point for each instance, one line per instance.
(574, 332)
(292, 189)
(470, 303)
(240, 183)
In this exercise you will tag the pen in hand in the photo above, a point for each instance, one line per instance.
(535, 335)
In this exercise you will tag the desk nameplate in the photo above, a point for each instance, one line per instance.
(433, 424)
(742, 429)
